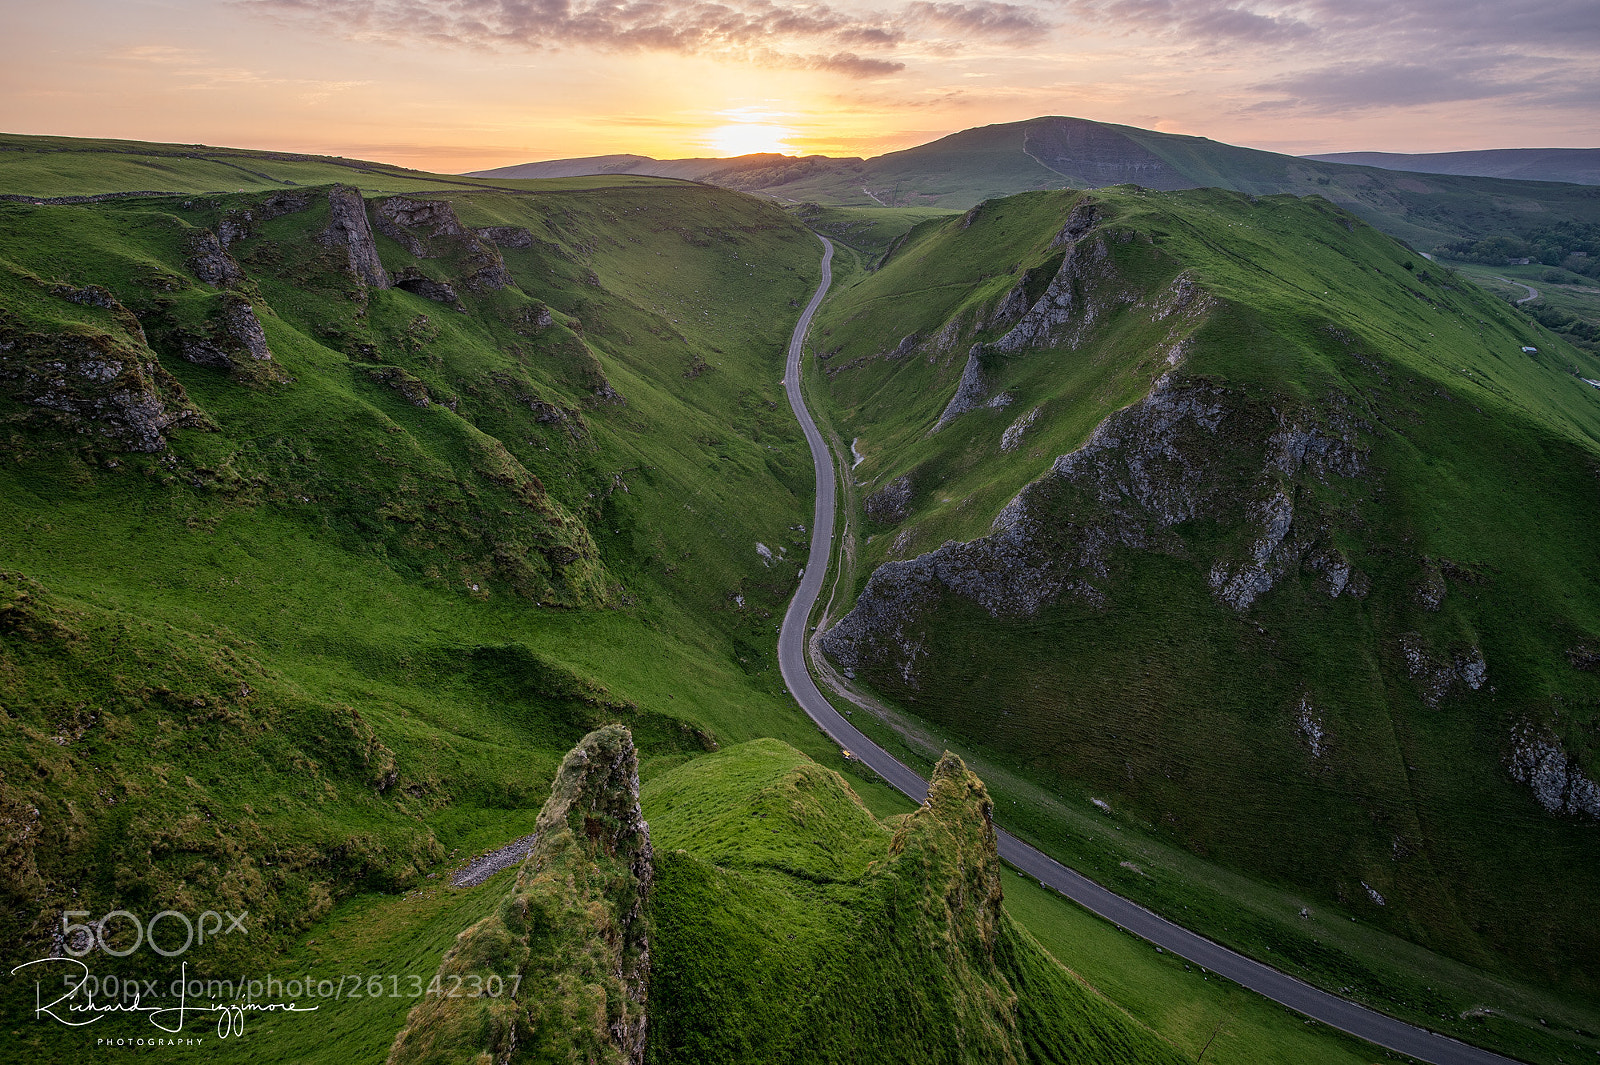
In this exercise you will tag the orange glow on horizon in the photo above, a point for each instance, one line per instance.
(749, 138)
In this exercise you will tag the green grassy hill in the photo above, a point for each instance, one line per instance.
(1240, 519)
(330, 523)
(761, 913)
(958, 171)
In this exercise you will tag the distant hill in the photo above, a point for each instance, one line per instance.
(965, 168)
(1581, 166)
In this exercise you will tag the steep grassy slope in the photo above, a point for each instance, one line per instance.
(1567, 304)
(1255, 527)
(760, 914)
(329, 525)
(791, 926)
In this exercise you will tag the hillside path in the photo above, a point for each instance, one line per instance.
(1282, 988)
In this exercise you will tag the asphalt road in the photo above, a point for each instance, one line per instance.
(1532, 293)
(1281, 988)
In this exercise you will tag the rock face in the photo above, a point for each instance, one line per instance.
(1080, 293)
(1062, 305)
(234, 339)
(414, 224)
(506, 236)
(98, 384)
(415, 281)
(211, 263)
(1558, 783)
(348, 229)
(87, 296)
(1077, 295)
(430, 229)
(1185, 452)
(890, 504)
(1011, 439)
(1438, 676)
(972, 391)
(572, 927)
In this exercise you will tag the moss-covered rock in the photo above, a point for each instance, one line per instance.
(559, 972)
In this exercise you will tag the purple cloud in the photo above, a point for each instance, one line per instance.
(771, 32)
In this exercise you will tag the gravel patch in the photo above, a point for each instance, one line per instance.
(484, 866)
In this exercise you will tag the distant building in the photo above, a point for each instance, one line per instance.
(1518, 262)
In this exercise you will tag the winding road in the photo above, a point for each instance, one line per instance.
(1532, 293)
(1286, 990)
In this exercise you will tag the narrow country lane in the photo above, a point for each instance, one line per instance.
(1286, 990)
(1532, 293)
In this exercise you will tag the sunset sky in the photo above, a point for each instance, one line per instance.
(455, 85)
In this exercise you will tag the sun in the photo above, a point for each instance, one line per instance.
(748, 138)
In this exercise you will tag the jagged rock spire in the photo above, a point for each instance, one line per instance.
(568, 946)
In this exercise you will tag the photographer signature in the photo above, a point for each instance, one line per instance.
(77, 1007)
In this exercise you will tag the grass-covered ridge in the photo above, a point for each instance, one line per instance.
(791, 926)
(1319, 569)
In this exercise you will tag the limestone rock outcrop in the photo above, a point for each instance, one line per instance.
(568, 949)
(890, 504)
(235, 337)
(210, 262)
(430, 229)
(1145, 470)
(413, 280)
(98, 385)
(1557, 781)
(348, 228)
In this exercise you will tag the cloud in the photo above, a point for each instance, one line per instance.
(1325, 56)
(811, 36)
(1198, 21)
(1330, 27)
(1360, 86)
(851, 65)
(161, 54)
(1006, 23)
(1560, 25)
